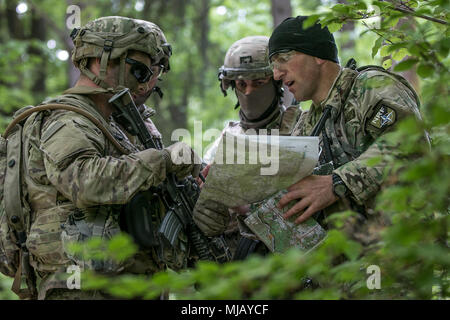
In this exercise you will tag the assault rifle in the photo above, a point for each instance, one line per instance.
(178, 197)
(326, 164)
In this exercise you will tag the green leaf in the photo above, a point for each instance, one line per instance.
(309, 22)
(387, 63)
(391, 22)
(381, 4)
(341, 8)
(413, 3)
(400, 54)
(360, 5)
(384, 52)
(333, 27)
(414, 49)
(405, 65)
(377, 46)
(425, 70)
(121, 247)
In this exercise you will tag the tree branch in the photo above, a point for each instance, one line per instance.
(412, 12)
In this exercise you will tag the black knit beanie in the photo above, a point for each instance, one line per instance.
(314, 41)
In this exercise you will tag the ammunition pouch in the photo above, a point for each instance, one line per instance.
(141, 218)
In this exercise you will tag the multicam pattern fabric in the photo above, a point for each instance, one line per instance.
(121, 34)
(70, 167)
(364, 106)
(247, 59)
(279, 234)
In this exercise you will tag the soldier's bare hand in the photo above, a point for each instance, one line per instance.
(314, 193)
(204, 173)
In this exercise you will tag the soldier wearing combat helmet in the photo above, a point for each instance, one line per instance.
(247, 71)
(352, 109)
(77, 177)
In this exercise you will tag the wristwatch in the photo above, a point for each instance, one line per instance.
(339, 187)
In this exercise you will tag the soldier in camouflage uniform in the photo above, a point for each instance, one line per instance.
(357, 107)
(363, 103)
(76, 179)
(261, 99)
(247, 70)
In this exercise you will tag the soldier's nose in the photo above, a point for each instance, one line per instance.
(277, 75)
(249, 90)
(144, 88)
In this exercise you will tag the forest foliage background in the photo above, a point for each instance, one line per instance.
(410, 37)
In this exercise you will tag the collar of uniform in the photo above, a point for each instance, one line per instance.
(340, 89)
(79, 101)
(329, 94)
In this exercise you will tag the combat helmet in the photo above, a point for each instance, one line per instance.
(109, 38)
(246, 59)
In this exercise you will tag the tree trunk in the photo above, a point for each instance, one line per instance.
(2, 26)
(204, 41)
(73, 74)
(15, 26)
(38, 32)
(349, 27)
(281, 9)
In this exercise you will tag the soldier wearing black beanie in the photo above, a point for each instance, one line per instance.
(352, 108)
(314, 64)
(314, 41)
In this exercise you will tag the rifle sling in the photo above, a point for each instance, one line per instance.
(55, 106)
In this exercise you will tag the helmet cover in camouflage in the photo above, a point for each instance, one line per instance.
(112, 37)
(246, 59)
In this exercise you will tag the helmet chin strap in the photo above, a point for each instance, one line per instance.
(92, 76)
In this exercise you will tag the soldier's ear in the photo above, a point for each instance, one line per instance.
(93, 64)
(319, 61)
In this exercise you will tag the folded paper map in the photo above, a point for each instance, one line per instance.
(250, 168)
(278, 234)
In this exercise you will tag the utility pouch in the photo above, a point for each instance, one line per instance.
(140, 218)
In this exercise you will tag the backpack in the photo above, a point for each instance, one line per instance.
(14, 209)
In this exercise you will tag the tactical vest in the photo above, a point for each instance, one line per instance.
(47, 228)
(342, 151)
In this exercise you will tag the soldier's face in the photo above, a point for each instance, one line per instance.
(248, 86)
(300, 74)
(135, 73)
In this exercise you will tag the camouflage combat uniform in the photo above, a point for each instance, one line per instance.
(71, 168)
(365, 105)
(247, 59)
(76, 181)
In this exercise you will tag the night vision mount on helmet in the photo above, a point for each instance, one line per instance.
(109, 38)
(246, 59)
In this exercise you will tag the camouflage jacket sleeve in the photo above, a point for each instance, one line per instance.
(380, 101)
(80, 168)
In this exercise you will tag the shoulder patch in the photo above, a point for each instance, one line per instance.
(384, 116)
